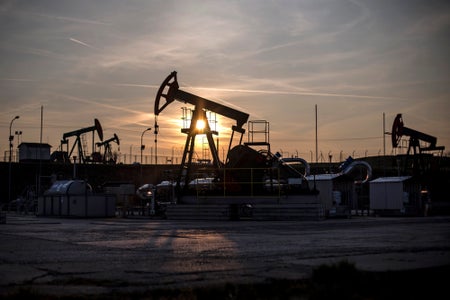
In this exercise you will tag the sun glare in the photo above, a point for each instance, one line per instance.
(200, 125)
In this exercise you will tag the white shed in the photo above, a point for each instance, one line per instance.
(395, 194)
(336, 192)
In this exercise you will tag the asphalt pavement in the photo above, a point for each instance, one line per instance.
(63, 256)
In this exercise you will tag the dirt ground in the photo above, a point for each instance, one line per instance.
(368, 257)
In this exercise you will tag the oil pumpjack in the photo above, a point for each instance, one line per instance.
(169, 91)
(108, 156)
(420, 143)
(246, 170)
(78, 143)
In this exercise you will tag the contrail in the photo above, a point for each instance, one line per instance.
(69, 19)
(96, 103)
(295, 93)
(18, 79)
(82, 43)
(137, 85)
(231, 90)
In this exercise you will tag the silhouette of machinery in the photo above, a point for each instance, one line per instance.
(108, 156)
(78, 141)
(169, 91)
(419, 142)
(246, 170)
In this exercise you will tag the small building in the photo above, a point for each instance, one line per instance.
(336, 192)
(34, 151)
(395, 195)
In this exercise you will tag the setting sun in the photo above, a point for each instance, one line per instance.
(200, 125)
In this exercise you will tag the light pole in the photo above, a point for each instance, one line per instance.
(18, 133)
(142, 145)
(11, 138)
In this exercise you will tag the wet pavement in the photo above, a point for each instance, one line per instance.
(100, 256)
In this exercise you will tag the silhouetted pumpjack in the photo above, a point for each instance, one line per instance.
(108, 156)
(97, 127)
(169, 91)
(415, 139)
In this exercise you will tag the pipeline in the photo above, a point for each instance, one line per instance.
(286, 161)
(348, 165)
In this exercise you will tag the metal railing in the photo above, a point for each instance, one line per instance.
(238, 182)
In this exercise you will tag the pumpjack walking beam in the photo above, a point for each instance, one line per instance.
(174, 93)
(169, 91)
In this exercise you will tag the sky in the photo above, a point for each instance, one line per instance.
(354, 60)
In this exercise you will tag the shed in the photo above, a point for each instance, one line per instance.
(75, 198)
(336, 192)
(400, 194)
(34, 151)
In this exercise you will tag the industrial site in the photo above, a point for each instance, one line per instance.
(250, 182)
(224, 149)
(77, 222)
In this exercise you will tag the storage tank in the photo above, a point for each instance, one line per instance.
(75, 198)
(69, 187)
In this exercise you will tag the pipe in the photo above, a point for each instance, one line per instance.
(297, 159)
(355, 163)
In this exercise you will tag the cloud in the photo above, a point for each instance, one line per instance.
(275, 92)
(275, 60)
(66, 19)
(19, 79)
(34, 51)
(137, 85)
